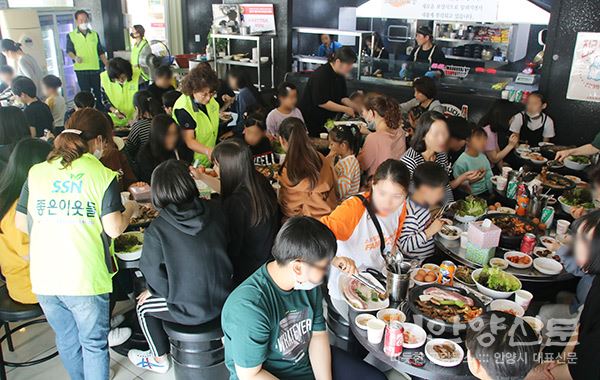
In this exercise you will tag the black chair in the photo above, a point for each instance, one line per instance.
(11, 311)
(197, 351)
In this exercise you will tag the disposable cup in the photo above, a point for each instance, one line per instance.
(501, 183)
(505, 171)
(523, 298)
(125, 195)
(375, 329)
(562, 226)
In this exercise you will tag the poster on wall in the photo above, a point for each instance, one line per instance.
(259, 17)
(584, 80)
(449, 10)
(226, 18)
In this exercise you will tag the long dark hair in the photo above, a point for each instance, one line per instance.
(172, 184)
(27, 153)
(349, 134)
(499, 115)
(237, 172)
(158, 131)
(13, 125)
(302, 161)
(9, 45)
(422, 128)
(386, 107)
(146, 103)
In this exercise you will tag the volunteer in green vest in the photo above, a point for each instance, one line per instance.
(71, 207)
(86, 51)
(197, 112)
(119, 83)
(140, 47)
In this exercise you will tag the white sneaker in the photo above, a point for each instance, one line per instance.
(116, 320)
(118, 336)
(145, 360)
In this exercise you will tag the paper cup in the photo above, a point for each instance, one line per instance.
(125, 195)
(523, 298)
(464, 239)
(375, 329)
(501, 183)
(562, 226)
(505, 171)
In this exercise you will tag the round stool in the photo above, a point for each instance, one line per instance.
(12, 311)
(197, 351)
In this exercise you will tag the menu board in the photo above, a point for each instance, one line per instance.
(447, 10)
(584, 80)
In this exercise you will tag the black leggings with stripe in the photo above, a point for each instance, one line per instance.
(151, 314)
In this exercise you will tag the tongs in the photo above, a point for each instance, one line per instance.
(367, 282)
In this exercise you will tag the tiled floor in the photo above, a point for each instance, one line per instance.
(38, 340)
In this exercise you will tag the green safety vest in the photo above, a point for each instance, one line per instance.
(121, 97)
(136, 49)
(86, 48)
(69, 251)
(207, 126)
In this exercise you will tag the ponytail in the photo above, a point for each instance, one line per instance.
(302, 161)
(68, 147)
(388, 108)
(349, 134)
(147, 104)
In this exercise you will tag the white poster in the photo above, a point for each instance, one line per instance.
(447, 10)
(584, 80)
(259, 17)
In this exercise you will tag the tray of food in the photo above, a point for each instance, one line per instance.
(446, 307)
(360, 297)
(555, 181)
(469, 209)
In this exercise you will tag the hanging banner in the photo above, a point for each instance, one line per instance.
(584, 80)
(447, 10)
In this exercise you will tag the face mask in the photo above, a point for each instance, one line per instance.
(84, 26)
(132, 35)
(371, 125)
(98, 152)
(306, 285)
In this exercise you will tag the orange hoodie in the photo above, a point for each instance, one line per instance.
(300, 199)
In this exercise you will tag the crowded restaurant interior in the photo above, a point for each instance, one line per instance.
(290, 189)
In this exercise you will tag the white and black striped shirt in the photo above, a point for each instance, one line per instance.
(413, 241)
(138, 136)
(412, 159)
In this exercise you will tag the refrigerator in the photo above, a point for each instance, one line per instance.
(55, 26)
(23, 26)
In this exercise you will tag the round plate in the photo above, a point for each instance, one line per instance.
(434, 357)
(364, 317)
(507, 306)
(416, 331)
(547, 266)
(505, 210)
(371, 306)
(519, 254)
(383, 312)
(448, 237)
(498, 262)
(548, 241)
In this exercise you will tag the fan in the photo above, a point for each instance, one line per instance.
(156, 56)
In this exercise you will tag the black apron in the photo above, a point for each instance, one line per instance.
(533, 138)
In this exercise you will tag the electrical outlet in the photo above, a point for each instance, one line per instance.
(197, 37)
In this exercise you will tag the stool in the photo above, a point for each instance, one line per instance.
(197, 351)
(12, 311)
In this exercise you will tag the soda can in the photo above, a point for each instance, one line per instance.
(446, 275)
(547, 216)
(511, 189)
(528, 243)
(393, 340)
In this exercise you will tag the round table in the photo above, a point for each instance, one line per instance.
(429, 371)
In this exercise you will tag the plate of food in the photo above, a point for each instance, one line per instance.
(578, 197)
(577, 162)
(549, 242)
(128, 246)
(507, 306)
(424, 276)
(545, 252)
(513, 228)
(495, 282)
(547, 266)
(444, 352)
(518, 259)
(445, 307)
(555, 181)
(361, 320)
(146, 214)
(554, 164)
(523, 148)
(469, 209)
(450, 233)
(389, 315)
(414, 335)
(360, 297)
(497, 262)
(574, 178)
(536, 158)
(463, 275)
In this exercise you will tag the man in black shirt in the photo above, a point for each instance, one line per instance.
(38, 114)
(426, 51)
(163, 82)
(325, 94)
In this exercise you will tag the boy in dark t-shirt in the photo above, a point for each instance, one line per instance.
(255, 135)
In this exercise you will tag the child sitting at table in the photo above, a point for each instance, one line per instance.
(255, 135)
(168, 101)
(533, 125)
(501, 346)
(287, 97)
(474, 158)
(51, 89)
(416, 239)
(344, 144)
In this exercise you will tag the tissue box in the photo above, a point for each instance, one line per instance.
(484, 234)
(479, 255)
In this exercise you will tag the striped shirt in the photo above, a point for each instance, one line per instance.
(347, 171)
(138, 136)
(412, 159)
(413, 241)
